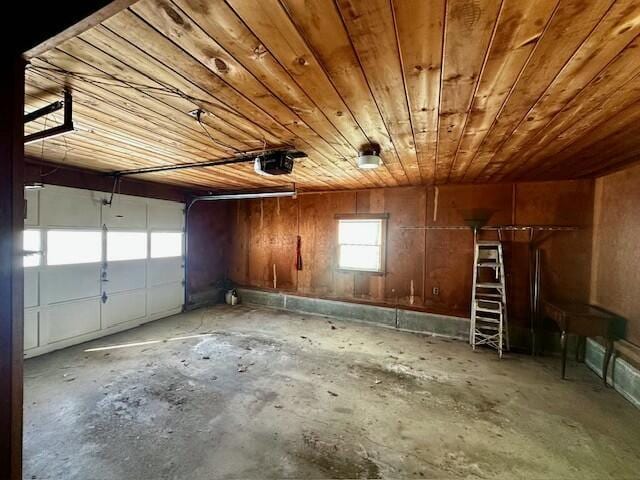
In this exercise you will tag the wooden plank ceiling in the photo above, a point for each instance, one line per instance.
(454, 91)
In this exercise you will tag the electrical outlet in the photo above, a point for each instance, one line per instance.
(436, 291)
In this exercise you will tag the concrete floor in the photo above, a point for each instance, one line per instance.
(238, 392)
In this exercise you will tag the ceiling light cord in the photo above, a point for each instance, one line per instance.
(199, 113)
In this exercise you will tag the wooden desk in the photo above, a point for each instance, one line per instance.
(585, 321)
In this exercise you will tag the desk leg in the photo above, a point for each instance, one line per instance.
(563, 344)
(581, 347)
(607, 358)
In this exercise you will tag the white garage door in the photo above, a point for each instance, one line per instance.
(101, 268)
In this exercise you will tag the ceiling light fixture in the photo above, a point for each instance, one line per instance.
(369, 157)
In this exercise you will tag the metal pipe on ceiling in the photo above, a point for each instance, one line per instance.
(41, 112)
(169, 168)
(241, 158)
(67, 124)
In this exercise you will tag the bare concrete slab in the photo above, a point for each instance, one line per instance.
(240, 392)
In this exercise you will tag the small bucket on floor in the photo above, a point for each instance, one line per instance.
(231, 297)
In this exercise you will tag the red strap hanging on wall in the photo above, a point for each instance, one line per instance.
(299, 253)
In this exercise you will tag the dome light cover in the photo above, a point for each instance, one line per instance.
(369, 157)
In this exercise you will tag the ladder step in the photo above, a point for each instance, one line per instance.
(487, 319)
(489, 310)
(492, 303)
(488, 285)
(488, 243)
(488, 295)
(486, 327)
(487, 335)
(488, 306)
(489, 264)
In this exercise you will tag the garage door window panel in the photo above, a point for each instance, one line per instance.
(32, 246)
(71, 247)
(166, 244)
(126, 246)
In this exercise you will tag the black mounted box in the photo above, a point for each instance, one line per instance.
(276, 163)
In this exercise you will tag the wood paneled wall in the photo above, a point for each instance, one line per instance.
(264, 232)
(209, 245)
(616, 247)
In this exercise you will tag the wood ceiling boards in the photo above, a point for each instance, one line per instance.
(455, 91)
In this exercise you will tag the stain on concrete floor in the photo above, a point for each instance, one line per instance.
(240, 392)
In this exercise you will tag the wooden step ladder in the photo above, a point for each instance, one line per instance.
(489, 298)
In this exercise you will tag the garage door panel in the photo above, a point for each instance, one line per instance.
(125, 213)
(63, 293)
(169, 216)
(165, 297)
(30, 329)
(68, 320)
(124, 307)
(165, 270)
(126, 275)
(69, 282)
(69, 208)
(31, 198)
(31, 287)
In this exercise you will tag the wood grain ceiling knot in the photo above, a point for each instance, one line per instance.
(174, 16)
(425, 68)
(259, 52)
(220, 65)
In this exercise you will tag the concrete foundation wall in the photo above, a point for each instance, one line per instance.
(441, 325)
(623, 376)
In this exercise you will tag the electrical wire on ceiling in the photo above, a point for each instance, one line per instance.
(164, 89)
(199, 113)
(53, 170)
(64, 139)
(50, 172)
(116, 82)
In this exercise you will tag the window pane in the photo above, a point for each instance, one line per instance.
(31, 243)
(166, 244)
(126, 246)
(358, 257)
(360, 232)
(66, 247)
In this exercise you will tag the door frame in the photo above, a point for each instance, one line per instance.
(50, 24)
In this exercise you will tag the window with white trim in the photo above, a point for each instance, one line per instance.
(32, 246)
(166, 244)
(361, 244)
(126, 246)
(68, 247)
